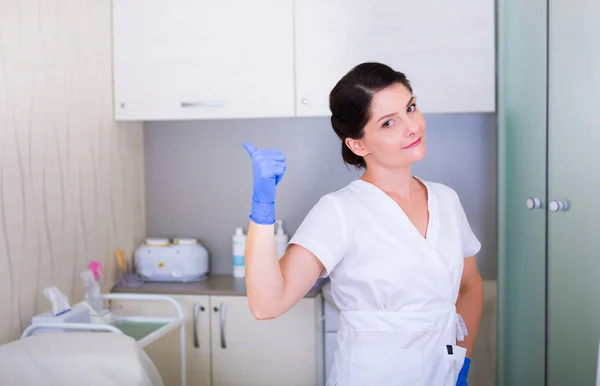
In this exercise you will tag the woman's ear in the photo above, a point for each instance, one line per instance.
(356, 146)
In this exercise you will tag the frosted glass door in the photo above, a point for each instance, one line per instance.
(574, 234)
(522, 162)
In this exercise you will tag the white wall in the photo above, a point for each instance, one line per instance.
(71, 180)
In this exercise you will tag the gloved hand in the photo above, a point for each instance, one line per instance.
(268, 167)
(464, 372)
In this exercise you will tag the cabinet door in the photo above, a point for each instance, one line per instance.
(446, 49)
(330, 349)
(522, 178)
(574, 244)
(165, 351)
(282, 351)
(194, 59)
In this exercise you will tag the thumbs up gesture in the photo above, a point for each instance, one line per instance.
(268, 168)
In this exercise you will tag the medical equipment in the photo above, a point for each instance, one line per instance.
(143, 329)
(181, 261)
(268, 167)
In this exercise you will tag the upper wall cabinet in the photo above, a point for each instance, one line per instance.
(445, 48)
(199, 59)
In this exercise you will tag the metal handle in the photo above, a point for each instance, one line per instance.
(197, 309)
(216, 104)
(534, 203)
(559, 205)
(221, 310)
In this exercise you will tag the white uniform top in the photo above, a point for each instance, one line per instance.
(396, 290)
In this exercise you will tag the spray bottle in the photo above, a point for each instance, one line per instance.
(98, 271)
(93, 293)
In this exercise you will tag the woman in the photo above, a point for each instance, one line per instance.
(399, 250)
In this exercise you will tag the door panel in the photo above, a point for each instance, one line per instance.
(522, 152)
(574, 244)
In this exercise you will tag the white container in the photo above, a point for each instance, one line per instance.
(239, 250)
(77, 314)
(281, 239)
(184, 260)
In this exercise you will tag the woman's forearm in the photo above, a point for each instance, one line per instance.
(470, 306)
(264, 280)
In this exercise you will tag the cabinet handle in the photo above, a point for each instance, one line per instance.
(216, 104)
(221, 310)
(197, 309)
(534, 203)
(559, 205)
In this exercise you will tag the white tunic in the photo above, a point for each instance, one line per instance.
(396, 290)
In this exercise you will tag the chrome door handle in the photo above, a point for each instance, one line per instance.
(559, 205)
(534, 203)
(197, 309)
(222, 310)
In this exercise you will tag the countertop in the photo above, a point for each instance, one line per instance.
(226, 285)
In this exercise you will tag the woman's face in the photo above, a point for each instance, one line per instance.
(395, 133)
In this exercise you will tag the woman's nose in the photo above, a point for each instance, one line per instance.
(411, 127)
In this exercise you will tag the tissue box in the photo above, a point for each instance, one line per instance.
(77, 314)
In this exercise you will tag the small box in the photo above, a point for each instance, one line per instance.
(75, 315)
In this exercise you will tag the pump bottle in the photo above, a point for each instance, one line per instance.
(281, 239)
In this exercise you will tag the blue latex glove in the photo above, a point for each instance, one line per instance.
(464, 372)
(268, 167)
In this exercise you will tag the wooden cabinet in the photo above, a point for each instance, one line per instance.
(227, 346)
(331, 315)
(198, 59)
(195, 59)
(446, 49)
(282, 351)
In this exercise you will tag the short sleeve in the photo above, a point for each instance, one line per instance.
(323, 233)
(470, 243)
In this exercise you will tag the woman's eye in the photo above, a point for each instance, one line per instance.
(412, 108)
(388, 123)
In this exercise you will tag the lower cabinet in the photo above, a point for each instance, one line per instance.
(331, 327)
(227, 346)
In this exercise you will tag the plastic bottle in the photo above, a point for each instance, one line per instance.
(92, 291)
(239, 249)
(98, 271)
(281, 239)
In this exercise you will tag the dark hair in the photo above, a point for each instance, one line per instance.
(350, 102)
